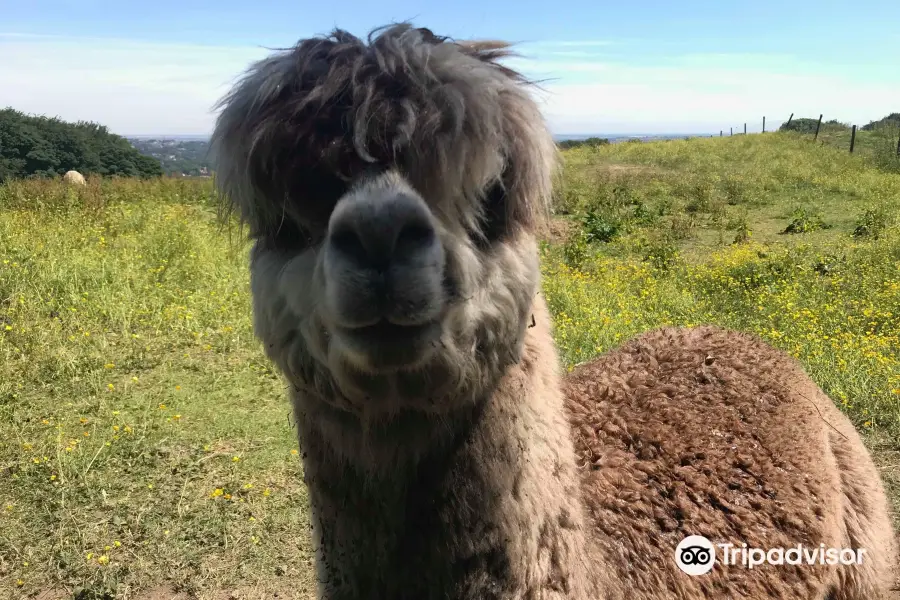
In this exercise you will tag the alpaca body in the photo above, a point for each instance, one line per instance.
(711, 432)
(679, 432)
(392, 189)
(74, 178)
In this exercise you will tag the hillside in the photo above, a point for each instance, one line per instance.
(38, 146)
(892, 120)
(177, 157)
(145, 448)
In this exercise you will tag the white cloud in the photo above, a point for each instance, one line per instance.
(132, 87)
(156, 88)
(573, 54)
(573, 43)
(696, 95)
(554, 67)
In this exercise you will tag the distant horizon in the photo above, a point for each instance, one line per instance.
(556, 136)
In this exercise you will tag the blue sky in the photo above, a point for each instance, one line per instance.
(611, 67)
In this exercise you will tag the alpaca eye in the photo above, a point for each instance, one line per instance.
(288, 235)
(494, 221)
(313, 195)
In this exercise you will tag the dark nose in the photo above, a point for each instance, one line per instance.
(381, 232)
(383, 258)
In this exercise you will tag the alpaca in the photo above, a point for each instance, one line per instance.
(74, 178)
(392, 188)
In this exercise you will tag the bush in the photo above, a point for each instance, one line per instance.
(740, 225)
(804, 220)
(743, 235)
(660, 251)
(598, 227)
(872, 222)
(805, 125)
(701, 196)
(642, 215)
(575, 250)
(738, 190)
(682, 225)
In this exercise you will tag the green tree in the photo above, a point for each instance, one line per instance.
(39, 146)
(892, 120)
(591, 141)
(805, 125)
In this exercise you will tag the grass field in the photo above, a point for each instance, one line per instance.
(146, 446)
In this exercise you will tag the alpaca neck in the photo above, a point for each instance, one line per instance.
(491, 510)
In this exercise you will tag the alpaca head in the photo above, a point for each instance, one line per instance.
(391, 187)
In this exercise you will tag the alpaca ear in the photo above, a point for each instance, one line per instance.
(477, 47)
(429, 37)
(492, 51)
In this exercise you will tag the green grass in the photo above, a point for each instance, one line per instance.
(145, 439)
(705, 185)
(878, 145)
(131, 390)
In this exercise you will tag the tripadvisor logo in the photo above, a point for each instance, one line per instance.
(696, 555)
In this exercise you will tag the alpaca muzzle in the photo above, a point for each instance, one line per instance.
(384, 272)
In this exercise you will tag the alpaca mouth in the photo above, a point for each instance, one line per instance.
(387, 346)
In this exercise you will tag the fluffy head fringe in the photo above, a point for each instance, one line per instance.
(302, 124)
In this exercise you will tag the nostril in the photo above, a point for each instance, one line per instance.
(415, 235)
(371, 233)
(346, 241)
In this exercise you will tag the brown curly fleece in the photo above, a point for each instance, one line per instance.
(711, 432)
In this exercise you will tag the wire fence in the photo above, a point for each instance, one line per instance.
(786, 125)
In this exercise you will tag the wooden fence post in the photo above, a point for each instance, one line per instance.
(764, 124)
(745, 129)
(790, 118)
(852, 138)
(731, 131)
(819, 124)
(721, 133)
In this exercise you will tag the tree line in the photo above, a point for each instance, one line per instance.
(39, 146)
(591, 141)
(808, 125)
